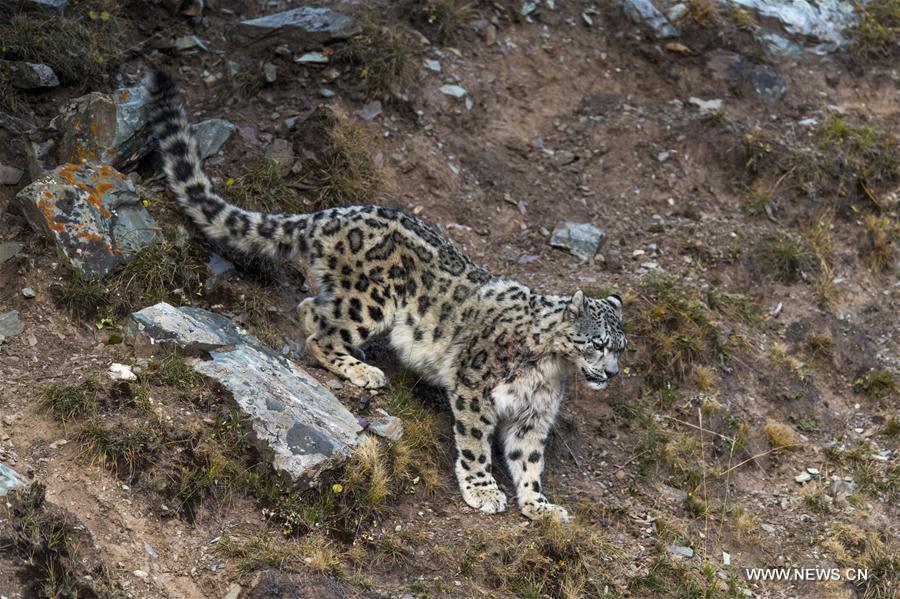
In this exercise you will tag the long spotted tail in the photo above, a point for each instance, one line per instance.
(243, 230)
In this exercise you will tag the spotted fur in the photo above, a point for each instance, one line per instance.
(501, 350)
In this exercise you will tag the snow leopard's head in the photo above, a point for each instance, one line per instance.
(594, 337)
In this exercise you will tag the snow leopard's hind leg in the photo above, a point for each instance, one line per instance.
(333, 340)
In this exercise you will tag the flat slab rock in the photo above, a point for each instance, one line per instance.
(92, 212)
(10, 325)
(105, 128)
(296, 420)
(580, 239)
(304, 28)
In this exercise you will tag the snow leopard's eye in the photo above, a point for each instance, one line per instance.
(598, 343)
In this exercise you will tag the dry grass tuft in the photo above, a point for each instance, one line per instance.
(674, 332)
(118, 445)
(79, 47)
(383, 57)
(854, 548)
(882, 235)
(787, 259)
(876, 35)
(876, 383)
(780, 436)
(440, 20)
(68, 402)
(264, 188)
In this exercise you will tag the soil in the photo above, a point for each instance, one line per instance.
(493, 177)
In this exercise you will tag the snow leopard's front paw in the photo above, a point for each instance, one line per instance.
(489, 500)
(365, 376)
(539, 508)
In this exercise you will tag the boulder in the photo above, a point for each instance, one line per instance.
(12, 7)
(296, 421)
(105, 128)
(28, 75)
(302, 28)
(92, 212)
(10, 175)
(580, 239)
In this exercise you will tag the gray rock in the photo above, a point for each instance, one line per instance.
(564, 157)
(433, 65)
(643, 11)
(10, 249)
(10, 325)
(28, 75)
(105, 128)
(768, 528)
(28, 292)
(313, 58)
(41, 155)
(768, 83)
(270, 72)
(304, 27)
(677, 11)
(92, 212)
(387, 426)
(681, 550)
(211, 135)
(282, 152)
(187, 42)
(325, 92)
(580, 239)
(370, 110)
(218, 268)
(706, 106)
(11, 7)
(803, 477)
(453, 90)
(9, 480)
(824, 22)
(10, 175)
(296, 421)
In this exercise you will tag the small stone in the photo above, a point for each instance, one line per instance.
(676, 12)
(28, 75)
(681, 550)
(325, 92)
(663, 156)
(335, 384)
(140, 573)
(528, 8)
(211, 136)
(270, 72)
(813, 471)
(312, 58)
(803, 477)
(10, 175)
(564, 157)
(182, 236)
(120, 372)
(433, 65)
(643, 12)
(387, 426)
(189, 41)
(768, 528)
(218, 268)
(10, 249)
(580, 239)
(9, 480)
(726, 558)
(370, 110)
(10, 326)
(234, 591)
(706, 106)
(453, 90)
(28, 292)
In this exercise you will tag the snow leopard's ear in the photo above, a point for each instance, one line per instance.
(616, 302)
(576, 305)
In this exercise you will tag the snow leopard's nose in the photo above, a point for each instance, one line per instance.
(611, 371)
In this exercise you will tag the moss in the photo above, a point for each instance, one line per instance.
(383, 59)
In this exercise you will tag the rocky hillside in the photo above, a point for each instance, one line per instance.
(730, 167)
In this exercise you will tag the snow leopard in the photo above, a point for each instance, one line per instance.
(501, 350)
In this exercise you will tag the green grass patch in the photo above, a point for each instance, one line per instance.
(383, 58)
(876, 384)
(68, 402)
(876, 35)
(786, 259)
